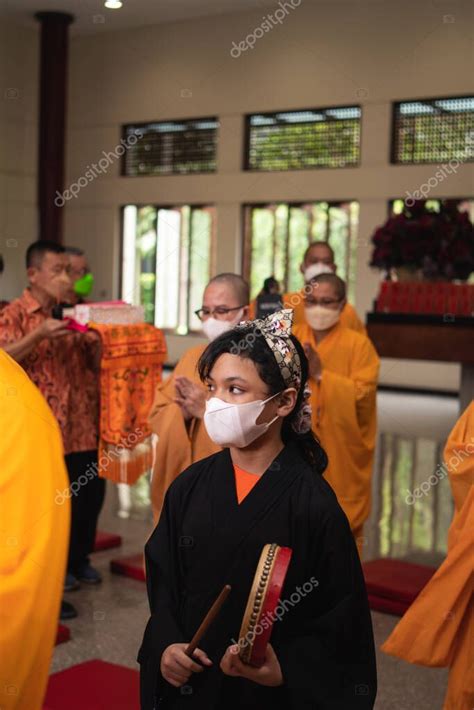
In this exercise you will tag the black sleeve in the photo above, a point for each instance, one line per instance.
(163, 585)
(326, 648)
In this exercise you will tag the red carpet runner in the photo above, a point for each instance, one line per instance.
(63, 634)
(393, 585)
(105, 541)
(94, 685)
(132, 566)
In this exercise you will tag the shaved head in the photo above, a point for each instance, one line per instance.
(318, 247)
(238, 285)
(338, 285)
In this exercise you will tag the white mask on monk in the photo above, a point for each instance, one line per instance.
(321, 318)
(314, 270)
(235, 424)
(212, 327)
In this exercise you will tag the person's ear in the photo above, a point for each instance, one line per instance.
(333, 267)
(342, 304)
(302, 267)
(32, 273)
(286, 402)
(246, 313)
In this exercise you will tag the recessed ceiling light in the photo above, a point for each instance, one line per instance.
(113, 4)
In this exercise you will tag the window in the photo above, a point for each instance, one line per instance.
(277, 236)
(296, 140)
(416, 528)
(167, 259)
(432, 130)
(171, 147)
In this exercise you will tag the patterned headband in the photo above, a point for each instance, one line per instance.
(276, 329)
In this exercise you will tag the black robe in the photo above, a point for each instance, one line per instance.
(204, 539)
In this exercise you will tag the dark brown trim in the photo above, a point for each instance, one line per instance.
(52, 121)
(246, 242)
(393, 136)
(429, 391)
(120, 279)
(123, 136)
(286, 264)
(306, 203)
(316, 109)
(246, 145)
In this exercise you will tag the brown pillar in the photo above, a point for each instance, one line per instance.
(53, 86)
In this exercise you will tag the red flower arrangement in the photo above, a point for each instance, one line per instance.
(440, 244)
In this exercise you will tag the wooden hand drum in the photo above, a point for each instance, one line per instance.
(264, 597)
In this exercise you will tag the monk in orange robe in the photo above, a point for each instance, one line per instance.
(177, 412)
(438, 628)
(318, 259)
(34, 536)
(344, 370)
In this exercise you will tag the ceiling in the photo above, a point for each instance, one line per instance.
(91, 16)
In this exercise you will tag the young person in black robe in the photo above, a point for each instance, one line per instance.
(321, 655)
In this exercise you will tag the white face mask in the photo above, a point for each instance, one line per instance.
(314, 270)
(212, 327)
(321, 318)
(235, 424)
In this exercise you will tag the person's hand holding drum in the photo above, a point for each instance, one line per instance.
(268, 674)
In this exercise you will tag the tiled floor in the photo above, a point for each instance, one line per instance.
(112, 617)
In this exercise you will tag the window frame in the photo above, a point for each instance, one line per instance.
(394, 133)
(212, 252)
(141, 124)
(246, 260)
(247, 132)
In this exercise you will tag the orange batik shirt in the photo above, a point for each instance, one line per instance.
(62, 369)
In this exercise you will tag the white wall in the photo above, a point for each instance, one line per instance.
(19, 61)
(323, 54)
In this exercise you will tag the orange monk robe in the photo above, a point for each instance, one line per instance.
(180, 444)
(349, 317)
(344, 415)
(34, 535)
(438, 628)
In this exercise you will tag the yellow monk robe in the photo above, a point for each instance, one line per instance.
(344, 415)
(34, 535)
(438, 628)
(349, 317)
(180, 444)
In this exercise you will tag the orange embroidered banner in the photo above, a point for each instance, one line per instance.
(130, 370)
